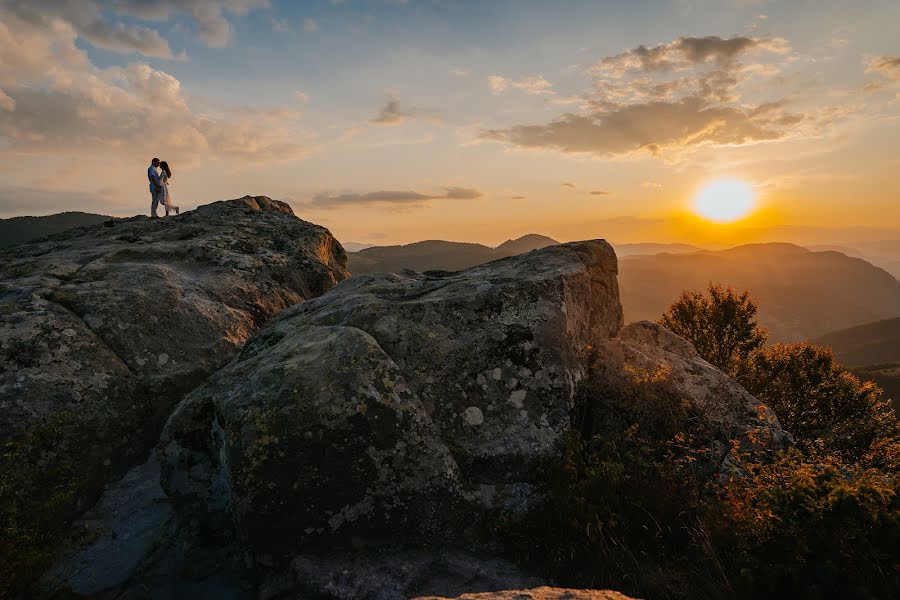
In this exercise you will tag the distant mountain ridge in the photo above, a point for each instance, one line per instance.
(24, 229)
(868, 344)
(801, 294)
(444, 255)
(440, 255)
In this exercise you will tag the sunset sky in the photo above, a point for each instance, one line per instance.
(394, 121)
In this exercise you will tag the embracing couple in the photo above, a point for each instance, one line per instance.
(159, 175)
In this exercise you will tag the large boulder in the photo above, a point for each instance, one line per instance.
(103, 329)
(377, 408)
(410, 410)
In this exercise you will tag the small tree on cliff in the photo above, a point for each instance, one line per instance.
(721, 324)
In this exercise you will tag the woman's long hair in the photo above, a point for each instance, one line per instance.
(165, 167)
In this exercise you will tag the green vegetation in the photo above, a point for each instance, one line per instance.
(642, 501)
(721, 324)
(829, 410)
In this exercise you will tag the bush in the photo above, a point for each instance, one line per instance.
(825, 407)
(721, 325)
(802, 528)
(627, 498)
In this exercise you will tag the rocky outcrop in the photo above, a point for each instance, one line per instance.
(729, 410)
(378, 408)
(541, 593)
(103, 329)
(411, 410)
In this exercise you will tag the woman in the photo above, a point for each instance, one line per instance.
(164, 181)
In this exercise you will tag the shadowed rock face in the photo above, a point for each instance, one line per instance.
(415, 408)
(729, 410)
(103, 329)
(394, 398)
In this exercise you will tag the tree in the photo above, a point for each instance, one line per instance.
(822, 405)
(719, 323)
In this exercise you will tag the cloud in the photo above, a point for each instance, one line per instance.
(57, 103)
(886, 66)
(394, 198)
(207, 15)
(6, 103)
(280, 25)
(665, 100)
(301, 96)
(535, 85)
(392, 113)
(651, 126)
(568, 184)
(310, 25)
(651, 185)
(600, 193)
(98, 21)
(686, 52)
(87, 19)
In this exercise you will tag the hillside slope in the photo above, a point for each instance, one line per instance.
(439, 255)
(868, 344)
(23, 229)
(801, 294)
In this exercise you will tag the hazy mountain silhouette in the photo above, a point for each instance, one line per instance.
(801, 294)
(871, 351)
(439, 255)
(453, 256)
(22, 229)
(867, 344)
(643, 249)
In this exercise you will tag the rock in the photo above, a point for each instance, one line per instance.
(394, 574)
(732, 412)
(133, 544)
(365, 434)
(541, 593)
(103, 329)
(396, 406)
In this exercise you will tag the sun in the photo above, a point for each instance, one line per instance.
(725, 200)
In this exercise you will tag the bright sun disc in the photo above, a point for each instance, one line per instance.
(724, 200)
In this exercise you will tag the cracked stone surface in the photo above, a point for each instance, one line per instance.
(403, 411)
(103, 329)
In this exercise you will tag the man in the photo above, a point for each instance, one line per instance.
(155, 187)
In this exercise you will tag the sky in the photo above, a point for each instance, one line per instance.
(390, 121)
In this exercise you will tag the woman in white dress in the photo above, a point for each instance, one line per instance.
(164, 178)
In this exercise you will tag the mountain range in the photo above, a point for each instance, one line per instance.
(439, 255)
(801, 293)
(24, 229)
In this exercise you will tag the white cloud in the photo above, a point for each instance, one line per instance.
(665, 99)
(57, 103)
(310, 25)
(534, 84)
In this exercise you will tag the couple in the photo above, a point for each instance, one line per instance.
(159, 187)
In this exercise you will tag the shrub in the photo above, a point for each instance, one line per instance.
(825, 407)
(801, 528)
(721, 324)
